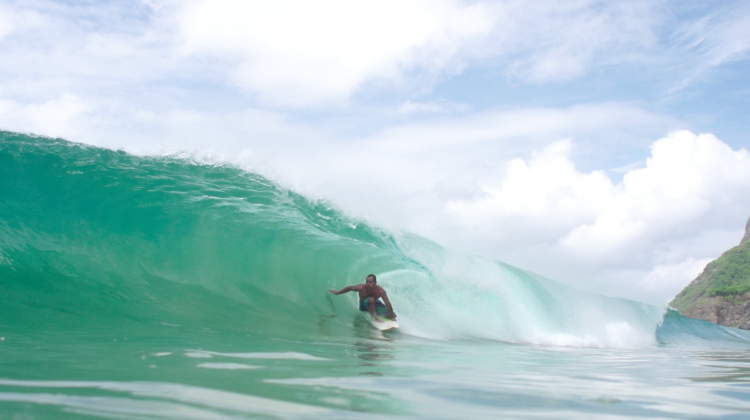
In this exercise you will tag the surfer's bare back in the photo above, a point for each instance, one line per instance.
(369, 294)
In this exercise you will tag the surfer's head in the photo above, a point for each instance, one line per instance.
(371, 280)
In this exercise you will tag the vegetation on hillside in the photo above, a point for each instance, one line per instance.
(728, 276)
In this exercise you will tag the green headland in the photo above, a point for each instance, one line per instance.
(721, 293)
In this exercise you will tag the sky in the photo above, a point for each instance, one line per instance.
(601, 144)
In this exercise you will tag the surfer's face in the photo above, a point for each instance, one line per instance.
(370, 282)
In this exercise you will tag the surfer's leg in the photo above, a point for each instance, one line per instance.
(371, 306)
(381, 309)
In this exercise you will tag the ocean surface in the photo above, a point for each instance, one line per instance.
(162, 288)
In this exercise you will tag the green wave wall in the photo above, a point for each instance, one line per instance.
(88, 233)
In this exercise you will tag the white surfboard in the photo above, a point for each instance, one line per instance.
(382, 323)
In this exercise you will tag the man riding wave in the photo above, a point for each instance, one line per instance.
(369, 298)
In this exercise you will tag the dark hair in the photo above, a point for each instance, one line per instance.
(373, 277)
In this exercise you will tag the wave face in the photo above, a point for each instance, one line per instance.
(100, 240)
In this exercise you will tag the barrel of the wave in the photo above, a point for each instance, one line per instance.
(379, 312)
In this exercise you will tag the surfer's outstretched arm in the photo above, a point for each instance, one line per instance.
(346, 289)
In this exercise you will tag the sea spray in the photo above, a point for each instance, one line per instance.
(469, 297)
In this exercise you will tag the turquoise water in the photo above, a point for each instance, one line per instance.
(159, 288)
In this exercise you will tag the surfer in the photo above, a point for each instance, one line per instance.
(369, 297)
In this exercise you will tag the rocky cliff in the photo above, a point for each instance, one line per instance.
(721, 293)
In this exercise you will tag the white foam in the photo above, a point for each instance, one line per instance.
(468, 297)
(198, 355)
(179, 401)
(228, 366)
(622, 334)
(269, 355)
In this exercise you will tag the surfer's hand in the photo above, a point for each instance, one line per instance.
(333, 291)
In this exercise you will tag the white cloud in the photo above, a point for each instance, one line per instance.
(555, 41)
(316, 54)
(644, 238)
(686, 178)
(6, 22)
(533, 125)
(718, 38)
(432, 107)
(732, 40)
(545, 193)
(661, 284)
(299, 53)
(296, 52)
(55, 117)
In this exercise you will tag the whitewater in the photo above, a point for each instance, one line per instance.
(156, 287)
